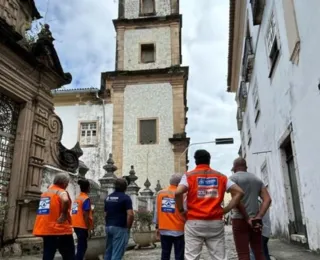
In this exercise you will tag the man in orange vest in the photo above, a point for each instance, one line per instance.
(82, 219)
(53, 221)
(169, 221)
(206, 188)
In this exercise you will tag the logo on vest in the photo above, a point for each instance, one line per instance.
(207, 187)
(208, 182)
(168, 205)
(44, 206)
(75, 206)
(208, 193)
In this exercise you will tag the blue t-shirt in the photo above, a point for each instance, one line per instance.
(116, 206)
(86, 206)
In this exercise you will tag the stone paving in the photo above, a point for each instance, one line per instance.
(279, 249)
(154, 254)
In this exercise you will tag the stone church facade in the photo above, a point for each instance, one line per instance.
(145, 97)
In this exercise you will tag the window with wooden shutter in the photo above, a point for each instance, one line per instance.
(249, 139)
(256, 102)
(148, 131)
(147, 7)
(147, 53)
(292, 30)
(88, 133)
(273, 43)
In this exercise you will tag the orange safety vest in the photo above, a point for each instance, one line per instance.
(205, 194)
(77, 212)
(169, 217)
(48, 213)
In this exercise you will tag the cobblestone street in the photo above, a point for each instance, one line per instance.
(280, 250)
(154, 254)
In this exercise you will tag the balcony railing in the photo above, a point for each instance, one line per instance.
(239, 119)
(243, 96)
(257, 10)
(248, 60)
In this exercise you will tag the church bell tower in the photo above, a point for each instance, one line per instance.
(148, 91)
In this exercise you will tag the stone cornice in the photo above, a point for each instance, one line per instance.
(236, 34)
(179, 144)
(171, 72)
(147, 21)
(34, 58)
(176, 76)
(118, 87)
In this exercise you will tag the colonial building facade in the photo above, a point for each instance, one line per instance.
(273, 69)
(87, 119)
(31, 151)
(144, 99)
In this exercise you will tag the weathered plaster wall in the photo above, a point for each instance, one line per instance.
(48, 176)
(290, 96)
(161, 37)
(94, 157)
(148, 101)
(132, 8)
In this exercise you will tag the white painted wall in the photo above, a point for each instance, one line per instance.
(94, 157)
(148, 101)
(290, 96)
(161, 37)
(132, 8)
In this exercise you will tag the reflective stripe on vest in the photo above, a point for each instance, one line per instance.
(48, 213)
(205, 194)
(77, 212)
(169, 217)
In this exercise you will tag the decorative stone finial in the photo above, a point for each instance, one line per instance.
(133, 188)
(83, 169)
(110, 168)
(45, 33)
(147, 184)
(132, 175)
(147, 192)
(158, 186)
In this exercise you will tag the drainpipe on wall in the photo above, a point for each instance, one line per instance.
(103, 146)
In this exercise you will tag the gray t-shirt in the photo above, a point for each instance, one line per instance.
(251, 185)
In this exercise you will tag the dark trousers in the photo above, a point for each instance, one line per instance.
(244, 235)
(265, 248)
(166, 244)
(82, 235)
(64, 244)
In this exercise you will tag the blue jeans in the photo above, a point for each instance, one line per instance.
(82, 235)
(265, 248)
(117, 240)
(166, 244)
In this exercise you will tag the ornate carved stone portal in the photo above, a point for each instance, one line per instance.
(30, 131)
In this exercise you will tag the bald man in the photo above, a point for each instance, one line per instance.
(247, 217)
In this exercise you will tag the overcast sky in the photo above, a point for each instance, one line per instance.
(85, 42)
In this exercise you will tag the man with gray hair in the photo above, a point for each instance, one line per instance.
(53, 221)
(169, 221)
